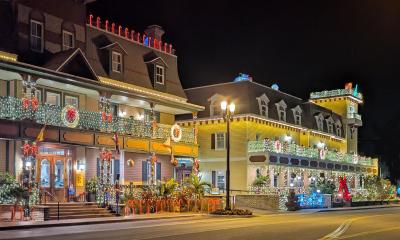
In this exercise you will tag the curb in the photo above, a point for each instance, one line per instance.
(46, 225)
(356, 208)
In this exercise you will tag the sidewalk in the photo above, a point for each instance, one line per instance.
(87, 221)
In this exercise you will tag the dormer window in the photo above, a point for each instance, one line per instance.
(297, 115)
(281, 110)
(215, 105)
(320, 122)
(68, 40)
(338, 128)
(263, 105)
(329, 124)
(36, 36)
(116, 60)
(160, 74)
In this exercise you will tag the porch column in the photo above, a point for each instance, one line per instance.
(271, 177)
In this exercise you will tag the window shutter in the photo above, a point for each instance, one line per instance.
(144, 172)
(98, 168)
(116, 169)
(213, 141)
(158, 169)
(213, 178)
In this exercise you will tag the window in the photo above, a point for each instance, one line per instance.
(215, 110)
(53, 98)
(45, 173)
(338, 128)
(38, 94)
(297, 115)
(159, 74)
(116, 62)
(263, 105)
(71, 100)
(320, 122)
(329, 124)
(59, 174)
(258, 136)
(281, 109)
(219, 141)
(68, 40)
(36, 36)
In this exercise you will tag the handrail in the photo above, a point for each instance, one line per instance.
(54, 198)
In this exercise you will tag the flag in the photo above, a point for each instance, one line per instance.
(40, 136)
(115, 138)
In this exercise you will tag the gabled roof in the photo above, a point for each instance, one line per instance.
(114, 44)
(72, 61)
(152, 57)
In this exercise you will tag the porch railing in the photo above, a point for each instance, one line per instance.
(297, 150)
(12, 108)
(45, 194)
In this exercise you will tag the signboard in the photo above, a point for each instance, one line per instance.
(80, 179)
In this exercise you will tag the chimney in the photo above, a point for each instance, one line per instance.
(155, 32)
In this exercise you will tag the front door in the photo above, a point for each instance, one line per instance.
(52, 176)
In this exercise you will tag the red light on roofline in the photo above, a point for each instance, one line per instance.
(112, 27)
(90, 19)
(126, 32)
(133, 35)
(98, 22)
(119, 30)
(106, 25)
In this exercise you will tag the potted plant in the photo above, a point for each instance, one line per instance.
(91, 189)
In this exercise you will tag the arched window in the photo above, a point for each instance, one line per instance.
(45, 173)
(329, 124)
(320, 121)
(281, 110)
(215, 105)
(263, 105)
(297, 114)
(338, 128)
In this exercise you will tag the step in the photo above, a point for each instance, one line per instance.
(79, 212)
(81, 216)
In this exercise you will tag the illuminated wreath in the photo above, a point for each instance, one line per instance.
(176, 133)
(70, 116)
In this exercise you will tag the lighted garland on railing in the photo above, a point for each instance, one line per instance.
(293, 149)
(11, 108)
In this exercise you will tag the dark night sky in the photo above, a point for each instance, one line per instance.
(303, 46)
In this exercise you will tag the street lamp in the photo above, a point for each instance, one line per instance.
(227, 115)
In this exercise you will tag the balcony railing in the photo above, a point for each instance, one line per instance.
(297, 150)
(11, 108)
(335, 93)
(354, 115)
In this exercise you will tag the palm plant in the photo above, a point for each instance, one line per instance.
(196, 186)
(168, 188)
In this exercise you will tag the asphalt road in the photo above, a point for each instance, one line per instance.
(362, 224)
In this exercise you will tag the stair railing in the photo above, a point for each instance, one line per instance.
(52, 196)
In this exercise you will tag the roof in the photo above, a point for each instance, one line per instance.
(136, 61)
(245, 95)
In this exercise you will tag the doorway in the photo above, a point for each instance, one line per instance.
(53, 176)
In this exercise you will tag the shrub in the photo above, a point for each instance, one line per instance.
(236, 211)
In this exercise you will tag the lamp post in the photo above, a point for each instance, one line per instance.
(227, 115)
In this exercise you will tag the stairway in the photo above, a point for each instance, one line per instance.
(78, 210)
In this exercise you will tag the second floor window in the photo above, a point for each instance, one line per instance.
(36, 36)
(220, 141)
(116, 60)
(159, 74)
(71, 100)
(68, 40)
(53, 98)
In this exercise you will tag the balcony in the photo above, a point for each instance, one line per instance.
(11, 109)
(312, 153)
(354, 119)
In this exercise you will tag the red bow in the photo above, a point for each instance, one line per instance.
(106, 117)
(71, 114)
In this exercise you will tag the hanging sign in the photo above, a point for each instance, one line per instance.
(176, 133)
(70, 116)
